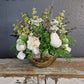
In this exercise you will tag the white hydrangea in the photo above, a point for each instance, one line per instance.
(21, 55)
(55, 40)
(68, 48)
(36, 22)
(54, 28)
(33, 44)
(21, 47)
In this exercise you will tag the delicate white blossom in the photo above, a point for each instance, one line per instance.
(63, 31)
(54, 22)
(21, 55)
(55, 40)
(54, 28)
(36, 22)
(68, 48)
(66, 45)
(33, 42)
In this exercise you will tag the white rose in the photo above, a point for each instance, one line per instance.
(68, 48)
(33, 42)
(36, 51)
(21, 55)
(55, 40)
(20, 47)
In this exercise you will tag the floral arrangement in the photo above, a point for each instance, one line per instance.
(38, 36)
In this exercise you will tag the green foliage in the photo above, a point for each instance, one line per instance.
(44, 53)
(23, 37)
(15, 34)
(21, 26)
(28, 15)
(44, 38)
(13, 48)
(44, 41)
(64, 39)
(52, 50)
(71, 40)
(29, 53)
(36, 29)
(63, 53)
(39, 29)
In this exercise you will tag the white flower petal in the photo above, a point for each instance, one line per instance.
(21, 55)
(68, 49)
(54, 22)
(20, 47)
(33, 42)
(36, 51)
(66, 45)
(36, 22)
(54, 28)
(55, 40)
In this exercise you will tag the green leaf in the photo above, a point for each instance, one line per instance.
(23, 38)
(36, 29)
(28, 15)
(52, 50)
(29, 57)
(29, 53)
(63, 53)
(13, 48)
(71, 40)
(44, 53)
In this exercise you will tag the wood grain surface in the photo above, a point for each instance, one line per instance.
(15, 67)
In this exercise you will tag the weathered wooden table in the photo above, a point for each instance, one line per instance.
(60, 72)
